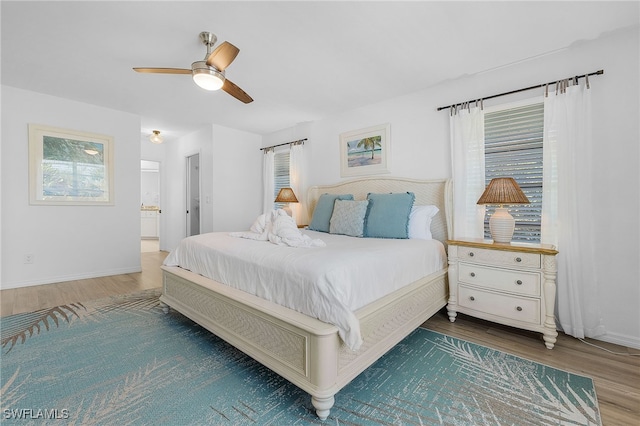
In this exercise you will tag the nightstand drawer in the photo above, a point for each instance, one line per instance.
(498, 257)
(512, 281)
(511, 307)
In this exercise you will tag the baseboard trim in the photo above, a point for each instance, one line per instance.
(620, 339)
(63, 278)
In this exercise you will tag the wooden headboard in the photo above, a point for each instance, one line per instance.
(428, 192)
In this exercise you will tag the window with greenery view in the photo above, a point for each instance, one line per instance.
(72, 168)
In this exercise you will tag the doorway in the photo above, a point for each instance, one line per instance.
(193, 194)
(149, 206)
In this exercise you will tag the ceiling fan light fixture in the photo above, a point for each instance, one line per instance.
(155, 137)
(207, 77)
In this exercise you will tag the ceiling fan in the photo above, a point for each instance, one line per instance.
(209, 73)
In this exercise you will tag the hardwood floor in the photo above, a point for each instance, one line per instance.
(29, 299)
(616, 377)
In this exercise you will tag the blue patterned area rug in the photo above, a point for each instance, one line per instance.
(122, 361)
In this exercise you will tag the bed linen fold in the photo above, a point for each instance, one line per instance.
(279, 228)
(327, 282)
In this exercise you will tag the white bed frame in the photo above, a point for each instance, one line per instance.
(305, 351)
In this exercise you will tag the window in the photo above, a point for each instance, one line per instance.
(280, 174)
(513, 147)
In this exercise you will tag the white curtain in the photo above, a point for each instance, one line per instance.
(467, 156)
(267, 180)
(568, 172)
(295, 180)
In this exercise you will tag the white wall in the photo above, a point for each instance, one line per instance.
(230, 176)
(420, 149)
(149, 187)
(237, 177)
(68, 242)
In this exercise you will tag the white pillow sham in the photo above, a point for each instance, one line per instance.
(420, 222)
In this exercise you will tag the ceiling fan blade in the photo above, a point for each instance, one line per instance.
(163, 70)
(236, 92)
(223, 55)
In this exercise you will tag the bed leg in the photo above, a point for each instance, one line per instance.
(165, 307)
(322, 406)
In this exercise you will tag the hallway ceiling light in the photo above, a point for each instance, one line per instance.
(155, 137)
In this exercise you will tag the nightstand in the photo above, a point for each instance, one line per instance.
(512, 284)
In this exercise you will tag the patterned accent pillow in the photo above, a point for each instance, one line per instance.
(324, 209)
(348, 217)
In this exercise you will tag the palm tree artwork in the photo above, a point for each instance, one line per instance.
(359, 147)
(370, 144)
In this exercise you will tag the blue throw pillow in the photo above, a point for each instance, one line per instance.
(388, 215)
(324, 210)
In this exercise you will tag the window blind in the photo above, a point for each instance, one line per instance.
(513, 148)
(281, 174)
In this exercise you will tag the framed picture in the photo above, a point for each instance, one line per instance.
(68, 167)
(365, 151)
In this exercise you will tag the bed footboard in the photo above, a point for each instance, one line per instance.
(301, 349)
(305, 351)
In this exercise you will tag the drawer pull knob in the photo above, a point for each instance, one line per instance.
(518, 259)
(519, 282)
(471, 254)
(472, 298)
(473, 274)
(519, 308)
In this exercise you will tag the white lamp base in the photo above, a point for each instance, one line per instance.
(502, 225)
(287, 209)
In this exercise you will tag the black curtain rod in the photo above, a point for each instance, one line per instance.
(281, 144)
(523, 90)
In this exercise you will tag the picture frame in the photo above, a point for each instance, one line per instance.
(365, 151)
(70, 167)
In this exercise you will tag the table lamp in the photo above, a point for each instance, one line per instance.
(286, 195)
(500, 191)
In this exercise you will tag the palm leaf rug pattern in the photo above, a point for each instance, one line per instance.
(122, 361)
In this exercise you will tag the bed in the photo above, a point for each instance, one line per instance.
(304, 350)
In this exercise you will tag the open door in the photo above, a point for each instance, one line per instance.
(193, 195)
(150, 203)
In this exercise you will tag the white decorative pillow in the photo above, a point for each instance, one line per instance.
(420, 222)
(348, 217)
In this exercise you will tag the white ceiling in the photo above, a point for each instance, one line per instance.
(300, 61)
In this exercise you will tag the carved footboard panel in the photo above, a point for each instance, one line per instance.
(305, 351)
(280, 338)
(387, 321)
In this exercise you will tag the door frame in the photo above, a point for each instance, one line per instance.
(187, 188)
(162, 195)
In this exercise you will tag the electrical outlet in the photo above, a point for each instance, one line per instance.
(28, 258)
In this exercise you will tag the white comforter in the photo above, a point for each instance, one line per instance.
(328, 283)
